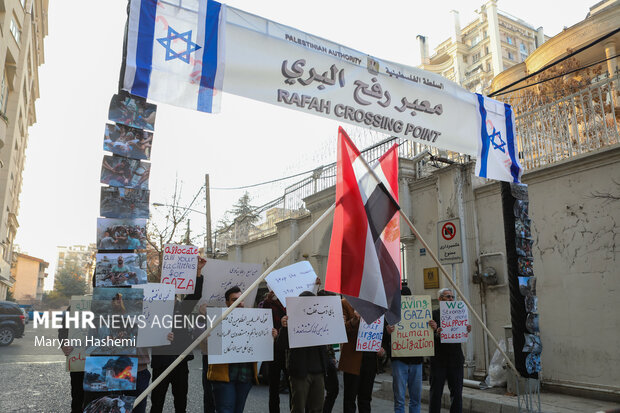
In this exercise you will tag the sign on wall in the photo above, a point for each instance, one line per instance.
(431, 278)
(450, 245)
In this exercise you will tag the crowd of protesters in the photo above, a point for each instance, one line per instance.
(309, 375)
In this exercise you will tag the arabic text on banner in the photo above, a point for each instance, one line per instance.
(313, 321)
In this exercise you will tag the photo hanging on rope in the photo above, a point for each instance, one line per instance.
(524, 247)
(532, 344)
(110, 373)
(124, 202)
(132, 111)
(531, 323)
(532, 363)
(120, 269)
(121, 234)
(119, 171)
(527, 286)
(111, 404)
(525, 267)
(521, 209)
(116, 330)
(127, 141)
(531, 303)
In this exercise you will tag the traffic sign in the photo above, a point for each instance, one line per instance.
(449, 241)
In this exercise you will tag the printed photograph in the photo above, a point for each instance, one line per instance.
(521, 209)
(121, 234)
(523, 228)
(127, 141)
(531, 303)
(524, 247)
(532, 363)
(110, 373)
(119, 270)
(532, 344)
(114, 337)
(111, 404)
(132, 111)
(124, 202)
(124, 172)
(531, 323)
(527, 286)
(525, 267)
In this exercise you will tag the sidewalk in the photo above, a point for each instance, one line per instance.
(496, 401)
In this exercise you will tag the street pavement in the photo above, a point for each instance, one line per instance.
(33, 382)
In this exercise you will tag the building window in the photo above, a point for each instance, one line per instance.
(15, 31)
(476, 57)
(509, 40)
(4, 93)
(475, 40)
(486, 50)
(523, 50)
(510, 56)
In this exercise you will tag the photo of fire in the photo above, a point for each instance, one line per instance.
(110, 373)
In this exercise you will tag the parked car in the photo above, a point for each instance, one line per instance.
(12, 322)
(25, 314)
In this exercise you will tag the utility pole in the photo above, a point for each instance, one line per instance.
(188, 240)
(208, 241)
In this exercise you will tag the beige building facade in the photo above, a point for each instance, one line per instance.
(482, 49)
(83, 256)
(23, 26)
(29, 273)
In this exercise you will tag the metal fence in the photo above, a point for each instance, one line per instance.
(552, 128)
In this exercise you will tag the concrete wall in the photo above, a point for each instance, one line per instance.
(576, 257)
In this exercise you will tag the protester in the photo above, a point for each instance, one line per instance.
(163, 357)
(307, 367)
(359, 367)
(277, 366)
(77, 377)
(232, 382)
(332, 387)
(406, 373)
(447, 364)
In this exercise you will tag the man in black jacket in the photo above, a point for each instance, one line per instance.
(447, 364)
(307, 367)
(164, 356)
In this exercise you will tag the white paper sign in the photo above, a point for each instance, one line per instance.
(222, 275)
(369, 336)
(313, 321)
(75, 360)
(454, 320)
(158, 302)
(179, 266)
(292, 280)
(243, 336)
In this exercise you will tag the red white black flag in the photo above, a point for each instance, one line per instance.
(364, 254)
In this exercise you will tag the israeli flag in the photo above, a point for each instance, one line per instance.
(175, 52)
(497, 147)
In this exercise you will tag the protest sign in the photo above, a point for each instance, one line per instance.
(158, 301)
(412, 336)
(77, 357)
(178, 268)
(243, 336)
(454, 321)
(292, 280)
(221, 275)
(369, 336)
(314, 321)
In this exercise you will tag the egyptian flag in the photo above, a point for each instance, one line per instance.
(364, 254)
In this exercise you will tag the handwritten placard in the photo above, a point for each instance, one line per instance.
(292, 280)
(454, 320)
(158, 302)
(243, 336)
(178, 267)
(77, 357)
(313, 321)
(369, 336)
(221, 275)
(412, 336)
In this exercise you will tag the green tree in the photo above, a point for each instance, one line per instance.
(70, 280)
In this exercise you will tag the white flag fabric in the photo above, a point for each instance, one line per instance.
(175, 52)
(497, 146)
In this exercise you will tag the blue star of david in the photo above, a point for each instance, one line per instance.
(501, 143)
(174, 35)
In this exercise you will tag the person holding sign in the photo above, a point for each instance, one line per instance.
(307, 367)
(447, 364)
(232, 382)
(359, 367)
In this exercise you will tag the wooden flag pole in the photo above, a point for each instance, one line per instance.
(445, 273)
(242, 297)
